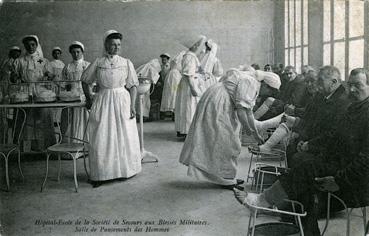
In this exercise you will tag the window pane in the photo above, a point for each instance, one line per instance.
(286, 23)
(298, 60)
(298, 23)
(306, 56)
(356, 59)
(327, 20)
(326, 54)
(339, 19)
(292, 42)
(292, 58)
(356, 18)
(286, 53)
(339, 57)
(305, 15)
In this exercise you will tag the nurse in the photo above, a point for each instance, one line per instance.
(73, 72)
(213, 145)
(33, 67)
(114, 147)
(210, 64)
(57, 65)
(188, 91)
(171, 82)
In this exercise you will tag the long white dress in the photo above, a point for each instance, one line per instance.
(185, 102)
(32, 68)
(211, 66)
(171, 82)
(213, 145)
(73, 72)
(114, 147)
(57, 67)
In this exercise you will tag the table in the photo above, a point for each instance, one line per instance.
(43, 105)
(23, 106)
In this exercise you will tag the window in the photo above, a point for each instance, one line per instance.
(296, 33)
(343, 36)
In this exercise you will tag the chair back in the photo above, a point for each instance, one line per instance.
(13, 121)
(68, 132)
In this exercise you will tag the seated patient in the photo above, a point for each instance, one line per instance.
(305, 95)
(292, 91)
(291, 117)
(342, 167)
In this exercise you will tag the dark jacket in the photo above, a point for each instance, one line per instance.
(294, 93)
(308, 98)
(348, 148)
(305, 121)
(327, 115)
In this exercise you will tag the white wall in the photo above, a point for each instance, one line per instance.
(243, 30)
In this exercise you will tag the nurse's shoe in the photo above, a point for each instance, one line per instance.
(96, 184)
(233, 186)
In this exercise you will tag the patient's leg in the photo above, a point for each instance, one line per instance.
(264, 108)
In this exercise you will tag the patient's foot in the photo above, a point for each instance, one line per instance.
(249, 199)
(261, 148)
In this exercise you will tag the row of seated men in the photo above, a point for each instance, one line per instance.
(325, 122)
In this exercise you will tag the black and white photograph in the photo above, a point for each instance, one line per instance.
(184, 117)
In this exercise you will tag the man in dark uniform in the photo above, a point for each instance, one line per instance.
(323, 117)
(292, 91)
(156, 95)
(342, 166)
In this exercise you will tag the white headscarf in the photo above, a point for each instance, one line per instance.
(36, 56)
(78, 43)
(106, 34)
(269, 78)
(189, 41)
(56, 48)
(209, 59)
(178, 60)
(15, 48)
(38, 52)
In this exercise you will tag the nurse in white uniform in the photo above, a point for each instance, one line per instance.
(114, 148)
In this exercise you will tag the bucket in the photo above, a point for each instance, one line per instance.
(277, 229)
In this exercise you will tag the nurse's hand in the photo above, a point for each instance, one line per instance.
(133, 112)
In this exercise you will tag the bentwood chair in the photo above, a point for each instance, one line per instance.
(11, 142)
(265, 175)
(276, 228)
(348, 213)
(73, 149)
(278, 153)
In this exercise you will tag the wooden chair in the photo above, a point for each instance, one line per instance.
(72, 149)
(7, 148)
